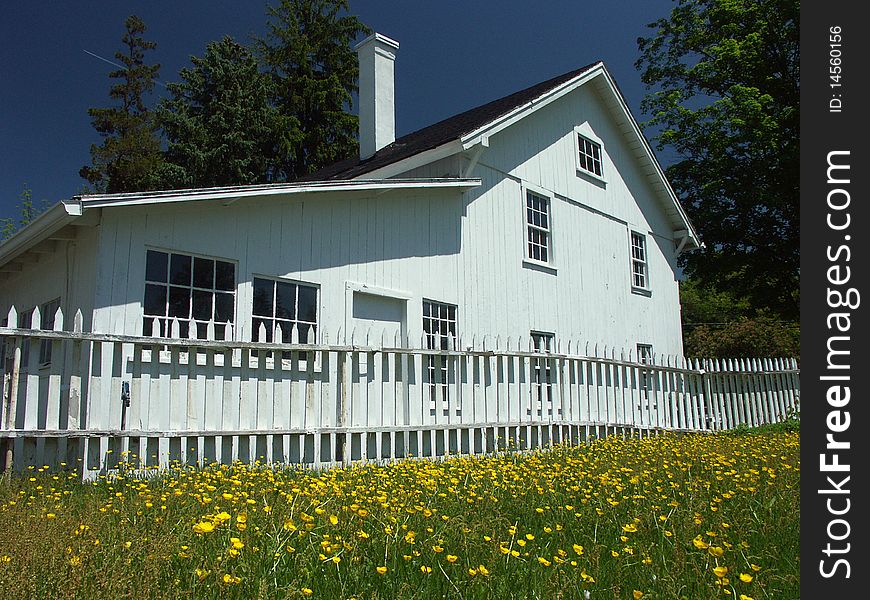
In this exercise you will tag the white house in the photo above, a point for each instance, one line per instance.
(540, 216)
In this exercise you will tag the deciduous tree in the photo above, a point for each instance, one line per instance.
(724, 100)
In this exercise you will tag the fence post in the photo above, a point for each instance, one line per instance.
(10, 404)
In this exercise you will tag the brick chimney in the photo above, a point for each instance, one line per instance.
(377, 112)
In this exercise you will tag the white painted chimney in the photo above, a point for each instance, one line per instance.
(377, 113)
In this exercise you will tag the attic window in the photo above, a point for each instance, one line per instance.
(588, 155)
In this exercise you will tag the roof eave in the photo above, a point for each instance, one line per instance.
(234, 193)
(60, 215)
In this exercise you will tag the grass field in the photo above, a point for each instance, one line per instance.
(670, 517)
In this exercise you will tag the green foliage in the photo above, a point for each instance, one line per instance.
(27, 211)
(307, 53)
(130, 150)
(725, 100)
(758, 337)
(702, 304)
(220, 125)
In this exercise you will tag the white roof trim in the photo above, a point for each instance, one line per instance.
(234, 193)
(470, 139)
(48, 222)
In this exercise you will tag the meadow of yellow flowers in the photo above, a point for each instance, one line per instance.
(667, 517)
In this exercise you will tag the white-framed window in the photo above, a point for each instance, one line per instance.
(539, 247)
(639, 264)
(589, 156)
(193, 289)
(439, 324)
(47, 313)
(542, 375)
(288, 304)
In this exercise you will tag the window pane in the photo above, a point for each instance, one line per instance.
(307, 304)
(202, 305)
(223, 307)
(225, 276)
(203, 273)
(156, 266)
(285, 300)
(179, 302)
(180, 269)
(155, 299)
(263, 304)
(255, 335)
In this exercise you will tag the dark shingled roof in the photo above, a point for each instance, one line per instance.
(440, 133)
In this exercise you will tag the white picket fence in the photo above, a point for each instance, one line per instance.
(98, 402)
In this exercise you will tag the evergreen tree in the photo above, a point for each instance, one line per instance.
(27, 212)
(220, 125)
(307, 52)
(131, 149)
(725, 99)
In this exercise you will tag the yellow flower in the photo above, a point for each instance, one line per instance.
(237, 543)
(230, 579)
(720, 571)
(333, 520)
(745, 597)
(50, 516)
(482, 570)
(544, 561)
(700, 544)
(452, 558)
(637, 594)
(614, 553)
(426, 570)
(472, 571)
(754, 567)
(204, 527)
(75, 561)
(630, 528)
(307, 591)
(716, 551)
(578, 549)
(381, 570)
(746, 578)
(201, 574)
(437, 549)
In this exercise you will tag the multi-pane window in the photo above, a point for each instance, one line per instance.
(439, 324)
(193, 289)
(542, 375)
(538, 226)
(645, 357)
(285, 304)
(47, 312)
(639, 276)
(589, 155)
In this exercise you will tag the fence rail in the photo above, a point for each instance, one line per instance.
(93, 401)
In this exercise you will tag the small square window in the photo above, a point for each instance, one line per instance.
(589, 155)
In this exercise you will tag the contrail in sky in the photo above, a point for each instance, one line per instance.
(116, 64)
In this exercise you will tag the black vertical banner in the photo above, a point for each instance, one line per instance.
(834, 298)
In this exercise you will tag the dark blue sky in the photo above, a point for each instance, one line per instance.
(453, 56)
